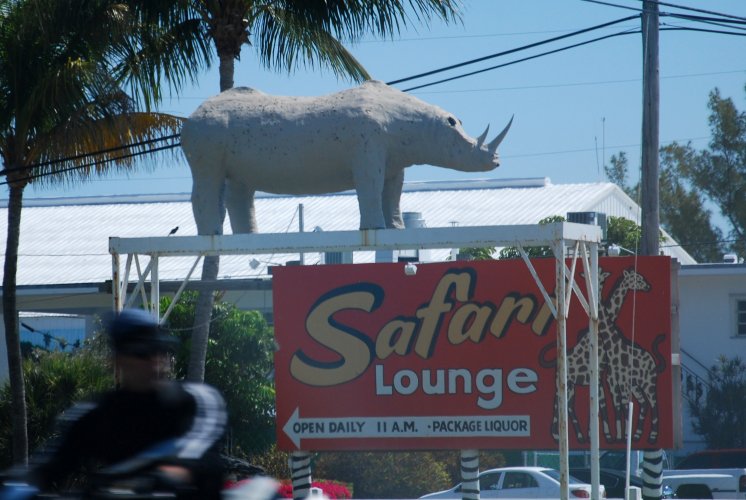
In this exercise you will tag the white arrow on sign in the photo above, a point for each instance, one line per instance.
(298, 428)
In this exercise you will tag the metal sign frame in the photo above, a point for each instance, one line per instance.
(583, 241)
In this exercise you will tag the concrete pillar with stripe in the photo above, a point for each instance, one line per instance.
(470, 474)
(652, 474)
(300, 474)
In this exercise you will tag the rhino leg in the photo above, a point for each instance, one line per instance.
(239, 200)
(368, 172)
(207, 203)
(391, 197)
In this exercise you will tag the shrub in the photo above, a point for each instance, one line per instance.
(54, 382)
(332, 489)
(384, 474)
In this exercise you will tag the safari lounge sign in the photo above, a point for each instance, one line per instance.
(463, 355)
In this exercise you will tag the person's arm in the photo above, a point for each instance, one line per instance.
(208, 424)
(64, 454)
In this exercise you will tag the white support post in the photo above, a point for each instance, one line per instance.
(140, 287)
(559, 253)
(124, 285)
(155, 290)
(116, 283)
(180, 290)
(470, 474)
(301, 228)
(593, 301)
(300, 474)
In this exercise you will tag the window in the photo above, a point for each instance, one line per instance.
(519, 480)
(740, 316)
(489, 481)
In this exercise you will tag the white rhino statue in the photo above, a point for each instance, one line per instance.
(361, 138)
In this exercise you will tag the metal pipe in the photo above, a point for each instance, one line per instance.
(559, 253)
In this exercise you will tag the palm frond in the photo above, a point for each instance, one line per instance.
(64, 155)
(285, 42)
(166, 43)
(351, 19)
(289, 33)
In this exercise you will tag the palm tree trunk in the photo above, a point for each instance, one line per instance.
(12, 335)
(202, 317)
(210, 268)
(227, 70)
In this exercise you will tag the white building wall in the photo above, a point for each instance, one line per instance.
(707, 318)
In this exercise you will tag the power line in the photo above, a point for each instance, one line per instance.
(702, 19)
(443, 69)
(84, 155)
(628, 32)
(701, 243)
(703, 30)
(511, 51)
(694, 9)
(473, 61)
(580, 84)
(714, 23)
(719, 21)
(457, 37)
(90, 164)
(613, 5)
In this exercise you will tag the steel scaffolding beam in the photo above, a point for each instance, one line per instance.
(582, 239)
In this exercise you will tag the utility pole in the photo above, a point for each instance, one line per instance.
(650, 129)
(652, 467)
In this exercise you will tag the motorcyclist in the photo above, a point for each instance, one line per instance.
(147, 421)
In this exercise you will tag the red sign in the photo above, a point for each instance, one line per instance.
(463, 355)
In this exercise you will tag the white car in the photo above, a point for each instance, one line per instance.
(520, 482)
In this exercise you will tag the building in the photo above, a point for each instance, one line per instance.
(65, 267)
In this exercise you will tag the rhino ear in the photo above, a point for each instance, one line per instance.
(452, 121)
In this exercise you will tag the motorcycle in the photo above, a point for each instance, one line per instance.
(149, 475)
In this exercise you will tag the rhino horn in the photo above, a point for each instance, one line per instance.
(481, 138)
(492, 146)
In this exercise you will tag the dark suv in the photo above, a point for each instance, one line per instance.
(714, 459)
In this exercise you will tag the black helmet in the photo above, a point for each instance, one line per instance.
(134, 332)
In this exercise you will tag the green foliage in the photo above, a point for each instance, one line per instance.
(384, 474)
(239, 364)
(682, 209)
(451, 461)
(473, 253)
(616, 172)
(720, 171)
(274, 462)
(690, 178)
(54, 382)
(721, 417)
(624, 232)
(532, 252)
(398, 474)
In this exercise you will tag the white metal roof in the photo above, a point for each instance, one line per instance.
(65, 240)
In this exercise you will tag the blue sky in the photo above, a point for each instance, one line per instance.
(573, 109)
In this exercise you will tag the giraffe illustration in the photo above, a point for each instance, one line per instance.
(578, 372)
(634, 372)
(610, 339)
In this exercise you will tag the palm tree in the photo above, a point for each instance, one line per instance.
(287, 33)
(64, 66)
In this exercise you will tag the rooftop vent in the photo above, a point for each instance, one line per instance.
(592, 218)
(730, 258)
